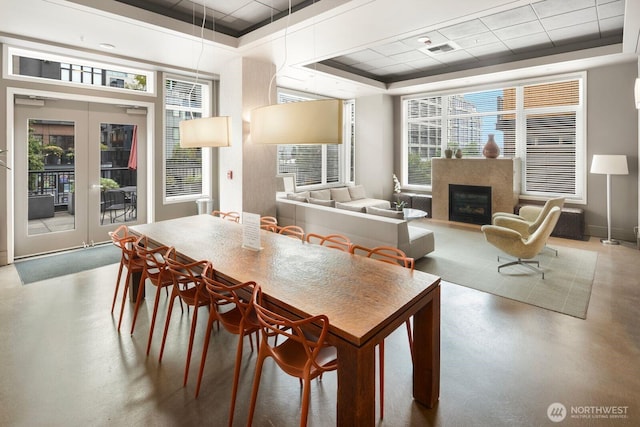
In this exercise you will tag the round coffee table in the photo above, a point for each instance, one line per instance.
(411, 214)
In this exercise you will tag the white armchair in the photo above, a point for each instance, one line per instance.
(522, 248)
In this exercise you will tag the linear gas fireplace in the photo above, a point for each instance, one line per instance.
(470, 204)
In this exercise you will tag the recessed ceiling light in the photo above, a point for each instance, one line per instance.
(107, 46)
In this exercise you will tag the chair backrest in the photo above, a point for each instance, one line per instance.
(387, 254)
(231, 216)
(546, 209)
(154, 258)
(269, 223)
(292, 231)
(334, 241)
(226, 297)
(539, 238)
(123, 239)
(188, 278)
(274, 325)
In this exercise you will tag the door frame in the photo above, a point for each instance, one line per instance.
(12, 92)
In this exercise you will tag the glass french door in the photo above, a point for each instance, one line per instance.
(80, 173)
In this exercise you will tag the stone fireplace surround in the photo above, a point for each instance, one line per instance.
(502, 175)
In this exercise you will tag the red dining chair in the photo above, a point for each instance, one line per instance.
(334, 241)
(231, 216)
(394, 256)
(125, 241)
(292, 231)
(300, 355)
(155, 269)
(269, 223)
(237, 316)
(188, 287)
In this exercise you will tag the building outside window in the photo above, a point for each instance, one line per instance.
(540, 122)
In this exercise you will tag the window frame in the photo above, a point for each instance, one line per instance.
(579, 197)
(206, 152)
(346, 150)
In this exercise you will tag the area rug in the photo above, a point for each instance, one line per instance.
(46, 267)
(462, 256)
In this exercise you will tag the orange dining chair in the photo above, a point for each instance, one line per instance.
(188, 287)
(394, 256)
(123, 239)
(300, 355)
(334, 241)
(237, 316)
(231, 216)
(292, 231)
(155, 269)
(269, 223)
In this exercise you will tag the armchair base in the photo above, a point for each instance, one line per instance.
(524, 262)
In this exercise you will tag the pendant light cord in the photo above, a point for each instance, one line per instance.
(204, 19)
(284, 61)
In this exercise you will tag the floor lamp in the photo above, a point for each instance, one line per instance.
(609, 165)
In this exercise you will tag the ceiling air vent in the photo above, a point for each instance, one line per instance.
(440, 48)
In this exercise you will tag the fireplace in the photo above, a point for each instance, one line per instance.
(470, 204)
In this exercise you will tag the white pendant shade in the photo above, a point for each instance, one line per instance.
(306, 122)
(206, 132)
(609, 164)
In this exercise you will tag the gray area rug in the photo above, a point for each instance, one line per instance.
(68, 262)
(462, 256)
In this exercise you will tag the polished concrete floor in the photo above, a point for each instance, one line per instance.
(62, 362)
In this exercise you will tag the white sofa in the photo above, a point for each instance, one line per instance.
(362, 228)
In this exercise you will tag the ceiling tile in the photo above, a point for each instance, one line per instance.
(611, 26)
(435, 37)
(393, 48)
(576, 33)
(454, 57)
(569, 19)
(426, 62)
(253, 12)
(519, 30)
(381, 62)
(534, 42)
(464, 29)
(487, 50)
(393, 69)
(548, 8)
(509, 17)
(363, 56)
(412, 55)
(477, 40)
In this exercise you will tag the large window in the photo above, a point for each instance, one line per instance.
(321, 164)
(540, 122)
(183, 178)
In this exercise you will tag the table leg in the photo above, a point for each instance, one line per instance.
(134, 285)
(426, 348)
(356, 386)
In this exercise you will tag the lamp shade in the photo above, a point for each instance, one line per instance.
(206, 132)
(306, 122)
(609, 164)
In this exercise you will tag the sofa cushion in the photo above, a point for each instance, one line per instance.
(357, 192)
(299, 197)
(363, 203)
(321, 202)
(320, 194)
(340, 194)
(353, 208)
(385, 212)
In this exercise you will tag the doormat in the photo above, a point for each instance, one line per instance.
(62, 263)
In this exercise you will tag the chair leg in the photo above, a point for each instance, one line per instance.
(166, 324)
(124, 296)
(143, 281)
(306, 392)
(205, 348)
(256, 385)
(153, 319)
(236, 376)
(194, 322)
(524, 263)
(115, 294)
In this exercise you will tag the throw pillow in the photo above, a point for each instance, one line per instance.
(348, 207)
(298, 197)
(329, 203)
(321, 194)
(340, 194)
(385, 212)
(357, 192)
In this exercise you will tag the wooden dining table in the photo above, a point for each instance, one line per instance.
(364, 299)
